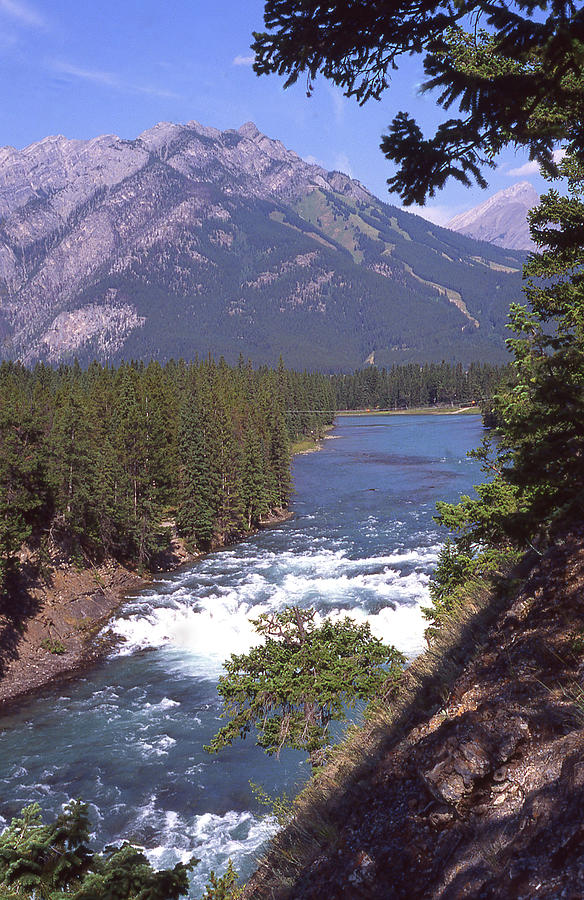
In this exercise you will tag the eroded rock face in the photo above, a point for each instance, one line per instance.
(477, 749)
(105, 326)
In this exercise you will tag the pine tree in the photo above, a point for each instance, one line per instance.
(300, 680)
(24, 490)
(199, 476)
(73, 461)
(254, 487)
(542, 417)
(229, 466)
(131, 440)
(279, 461)
(53, 861)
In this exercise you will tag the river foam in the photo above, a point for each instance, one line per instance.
(210, 618)
(212, 839)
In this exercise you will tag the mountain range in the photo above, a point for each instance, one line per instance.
(190, 240)
(501, 219)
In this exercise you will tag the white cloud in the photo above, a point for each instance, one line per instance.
(532, 167)
(338, 102)
(438, 215)
(313, 161)
(23, 13)
(529, 168)
(109, 79)
(243, 60)
(342, 164)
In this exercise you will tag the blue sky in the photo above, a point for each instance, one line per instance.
(83, 68)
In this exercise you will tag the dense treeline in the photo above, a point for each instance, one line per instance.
(102, 458)
(403, 387)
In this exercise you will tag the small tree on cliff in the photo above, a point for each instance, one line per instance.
(300, 680)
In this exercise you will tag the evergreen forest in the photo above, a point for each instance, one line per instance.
(413, 385)
(106, 461)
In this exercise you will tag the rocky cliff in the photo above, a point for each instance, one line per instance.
(189, 240)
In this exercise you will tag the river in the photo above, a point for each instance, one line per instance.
(127, 736)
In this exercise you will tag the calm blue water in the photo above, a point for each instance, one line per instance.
(128, 736)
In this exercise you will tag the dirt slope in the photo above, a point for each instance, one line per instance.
(484, 799)
(48, 625)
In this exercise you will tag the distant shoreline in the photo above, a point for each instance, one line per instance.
(310, 444)
(414, 411)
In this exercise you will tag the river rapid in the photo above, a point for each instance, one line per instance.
(127, 737)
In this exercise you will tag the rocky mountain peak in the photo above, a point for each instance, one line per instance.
(203, 130)
(521, 189)
(160, 135)
(501, 219)
(249, 130)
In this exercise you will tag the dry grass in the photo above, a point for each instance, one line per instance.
(322, 806)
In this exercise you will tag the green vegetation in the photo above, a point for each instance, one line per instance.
(57, 648)
(223, 887)
(412, 385)
(304, 445)
(302, 678)
(536, 485)
(53, 862)
(105, 461)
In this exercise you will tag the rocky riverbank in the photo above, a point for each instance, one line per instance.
(475, 788)
(51, 619)
(49, 624)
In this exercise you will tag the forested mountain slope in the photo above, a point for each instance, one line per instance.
(189, 240)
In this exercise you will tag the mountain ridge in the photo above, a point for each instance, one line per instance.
(189, 240)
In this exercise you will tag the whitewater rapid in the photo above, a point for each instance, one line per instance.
(208, 615)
